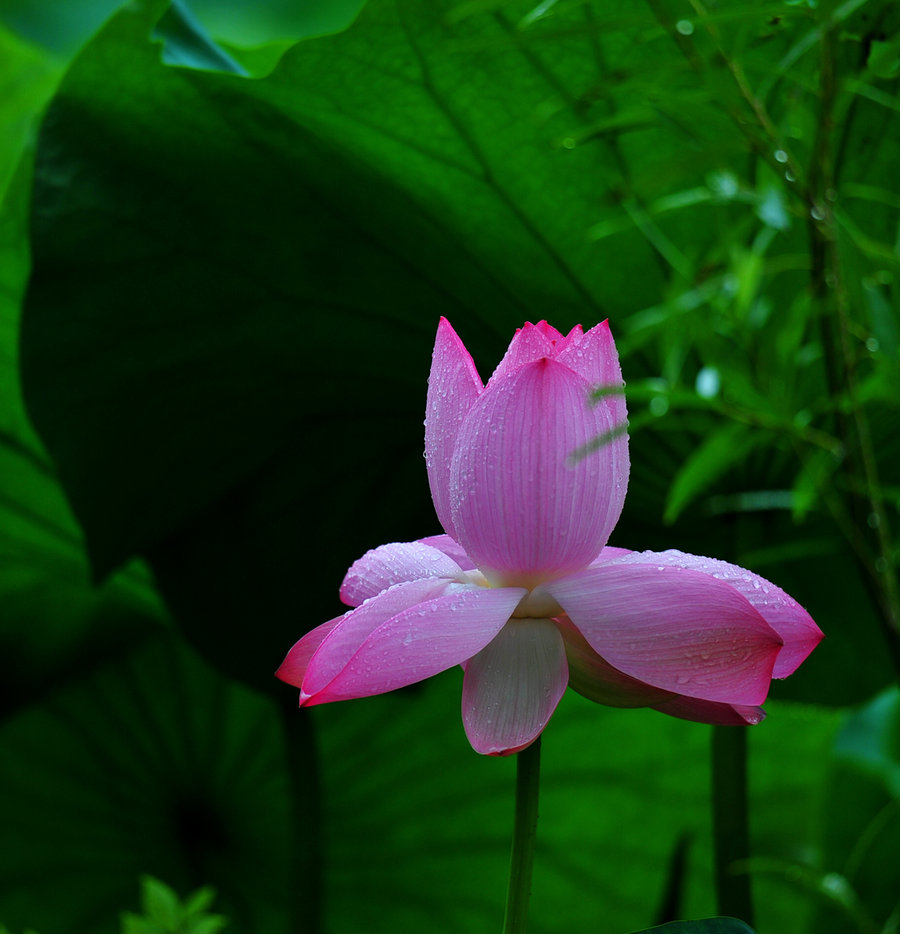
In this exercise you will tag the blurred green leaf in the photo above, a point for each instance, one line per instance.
(53, 623)
(247, 23)
(63, 27)
(27, 80)
(855, 879)
(156, 764)
(186, 42)
(226, 341)
(862, 810)
(706, 926)
(277, 339)
(159, 902)
(150, 764)
(164, 912)
(208, 925)
(57, 25)
(720, 451)
(424, 842)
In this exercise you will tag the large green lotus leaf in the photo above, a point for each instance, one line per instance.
(63, 26)
(238, 282)
(258, 33)
(623, 834)
(253, 23)
(268, 253)
(706, 926)
(860, 864)
(56, 25)
(156, 764)
(27, 79)
(810, 561)
(151, 764)
(54, 623)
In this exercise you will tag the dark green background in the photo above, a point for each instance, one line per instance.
(239, 243)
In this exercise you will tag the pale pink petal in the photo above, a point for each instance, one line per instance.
(452, 549)
(594, 678)
(531, 342)
(675, 629)
(609, 553)
(387, 565)
(512, 686)
(689, 708)
(339, 645)
(416, 643)
(293, 669)
(795, 626)
(524, 510)
(596, 359)
(453, 386)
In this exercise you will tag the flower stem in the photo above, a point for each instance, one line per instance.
(731, 836)
(528, 780)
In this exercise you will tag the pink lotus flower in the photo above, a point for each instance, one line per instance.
(522, 590)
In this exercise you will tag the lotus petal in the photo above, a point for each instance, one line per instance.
(524, 511)
(387, 565)
(417, 642)
(798, 632)
(673, 628)
(512, 686)
(453, 387)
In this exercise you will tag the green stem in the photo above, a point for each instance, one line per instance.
(528, 780)
(731, 837)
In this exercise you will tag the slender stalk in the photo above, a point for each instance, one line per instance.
(731, 835)
(528, 780)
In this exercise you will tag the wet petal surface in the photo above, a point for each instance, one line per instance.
(512, 686)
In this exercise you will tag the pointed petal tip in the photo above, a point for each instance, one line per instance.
(512, 687)
(453, 387)
(502, 752)
(281, 672)
(715, 714)
(524, 508)
(798, 632)
(673, 628)
(443, 628)
(292, 669)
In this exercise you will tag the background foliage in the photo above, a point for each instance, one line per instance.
(222, 261)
